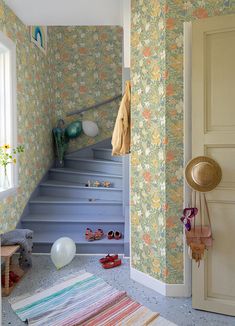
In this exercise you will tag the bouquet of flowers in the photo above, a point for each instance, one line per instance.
(8, 155)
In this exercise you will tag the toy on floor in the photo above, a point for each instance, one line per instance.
(63, 251)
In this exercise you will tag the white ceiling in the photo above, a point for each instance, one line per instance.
(68, 12)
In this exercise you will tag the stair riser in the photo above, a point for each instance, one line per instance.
(81, 193)
(84, 249)
(71, 228)
(83, 179)
(94, 166)
(69, 209)
(106, 155)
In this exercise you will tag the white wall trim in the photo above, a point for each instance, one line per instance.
(169, 290)
(126, 16)
(187, 136)
(10, 47)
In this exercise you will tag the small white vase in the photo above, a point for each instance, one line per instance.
(4, 180)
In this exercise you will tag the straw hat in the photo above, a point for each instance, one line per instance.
(203, 174)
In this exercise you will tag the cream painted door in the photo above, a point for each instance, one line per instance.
(213, 135)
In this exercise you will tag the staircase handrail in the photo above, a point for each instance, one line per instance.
(95, 106)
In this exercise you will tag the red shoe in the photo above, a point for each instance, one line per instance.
(112, 264)
(108, 258)
(110, 235)
(117, 235)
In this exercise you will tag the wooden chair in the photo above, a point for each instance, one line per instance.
(7, 252)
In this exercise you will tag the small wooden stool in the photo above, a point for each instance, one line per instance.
(7, 252)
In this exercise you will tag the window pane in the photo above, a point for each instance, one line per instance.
(5, 109)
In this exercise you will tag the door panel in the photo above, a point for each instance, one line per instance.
(213, 135)
(225, 156)
(220, 97)
(221, 262)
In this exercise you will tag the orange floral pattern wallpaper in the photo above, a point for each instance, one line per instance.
(33, 116)
(86, 62)
(157, 131)
(83, 66)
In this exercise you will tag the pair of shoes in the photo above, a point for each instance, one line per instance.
(114, 235)
(91, 236)
(110, 261)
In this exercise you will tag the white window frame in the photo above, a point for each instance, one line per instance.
(8, 62)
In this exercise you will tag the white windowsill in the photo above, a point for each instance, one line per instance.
(8, 192)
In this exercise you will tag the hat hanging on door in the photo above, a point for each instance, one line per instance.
(203, 174)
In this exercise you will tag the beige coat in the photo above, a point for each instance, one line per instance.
(121, 133)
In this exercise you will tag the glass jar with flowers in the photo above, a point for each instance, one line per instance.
(7, 156)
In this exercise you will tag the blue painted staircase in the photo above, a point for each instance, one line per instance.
(63, 206)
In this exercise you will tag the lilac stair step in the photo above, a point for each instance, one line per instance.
(71, 227)
(105, 154)
(82, 177)
(59, 205)
(67, 189)
(73, 218)
(94, 165)
(44, 240)
(83, 248)
(55, 199)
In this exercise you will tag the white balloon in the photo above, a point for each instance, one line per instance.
(90, 128)
(63, 251)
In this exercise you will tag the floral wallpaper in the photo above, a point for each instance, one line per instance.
(34, 122)
(148, 137)
(86, 63)
(157, 131)
(83, 66)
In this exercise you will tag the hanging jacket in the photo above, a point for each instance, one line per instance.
(121, 133)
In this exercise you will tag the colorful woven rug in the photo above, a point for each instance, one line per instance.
(84, 300)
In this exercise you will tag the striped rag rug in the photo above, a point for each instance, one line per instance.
(84, 300)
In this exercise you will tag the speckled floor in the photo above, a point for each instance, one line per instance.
(43, 274)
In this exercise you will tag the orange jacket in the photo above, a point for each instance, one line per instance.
(121, 133)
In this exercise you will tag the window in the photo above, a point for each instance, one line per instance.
(8, 127)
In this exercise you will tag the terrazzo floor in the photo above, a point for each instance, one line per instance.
(43, 274)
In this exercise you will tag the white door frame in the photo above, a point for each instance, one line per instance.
(187, 137)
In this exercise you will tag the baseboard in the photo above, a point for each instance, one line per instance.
(169, 290)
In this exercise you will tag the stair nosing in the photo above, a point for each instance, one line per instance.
(97, 173)
(93, 160)
(85, 242)
(102, 149)
(33, 220)
(69, 202)
(44, 184)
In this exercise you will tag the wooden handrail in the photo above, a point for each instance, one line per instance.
(94, 106)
